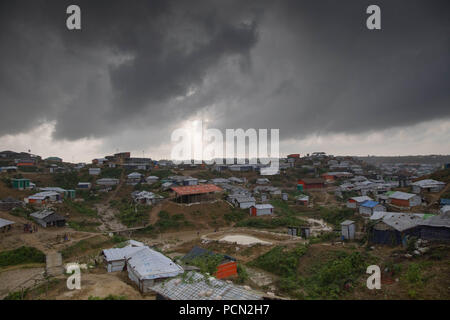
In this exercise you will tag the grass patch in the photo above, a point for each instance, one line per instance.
(167, 221)
(81, 208)
(85, 245)
(131, 214)
(335, 216)
(329, 280)
(280, 261)
(20, 256)
(207, 263)
(84, 226)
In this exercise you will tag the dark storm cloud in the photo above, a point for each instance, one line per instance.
(130, 59)
(301, 66)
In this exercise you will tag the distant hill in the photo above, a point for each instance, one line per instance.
(424, 159)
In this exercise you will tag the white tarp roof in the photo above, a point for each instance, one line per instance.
(43, 195)
(361, 199)
(427, 183)
(401, 195)
(4, 222)
(263, 206)
(42, 214)
(151, 264)
(197, 287)
(116, 254)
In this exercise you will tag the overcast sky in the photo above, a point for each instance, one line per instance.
(140, 69)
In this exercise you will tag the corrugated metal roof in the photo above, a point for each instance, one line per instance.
(42, 214)
(263, 206)
(347, 223)
(196, 286)
(401, 195)
(427, 183)
(43, 195)
(243, 198)
(402, 221)
(361, 199)
(4, 222)
(115, 254)
(151, 264)
(198, 189)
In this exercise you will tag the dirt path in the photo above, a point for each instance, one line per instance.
(14, 280)
(107, 214)
(155, 211)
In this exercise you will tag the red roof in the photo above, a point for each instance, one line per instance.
(205, 188)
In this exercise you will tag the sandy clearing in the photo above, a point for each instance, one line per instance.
(243, 239)
(13, 280)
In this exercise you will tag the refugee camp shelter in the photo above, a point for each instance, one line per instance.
(134, 178)
(20, 183)
(48, 218)
(293, 231)
(63, 192)
(348, 229)
(393, 228)
(107, 182)
(196, 286)
(115, 258)
(151, 179)
(261, 209)
(44, 197)
(435, 228)
(369, 207)
(355, 202)
(146, 197)
(190, 181)
(94, 171)
(5, 224)
(146, 265)
(404, 199)
(84, 185)
(9, 203)
(303, 199)
(196, 193)
(242, 201)
(427, 185)
(226, 268)
(312, 183)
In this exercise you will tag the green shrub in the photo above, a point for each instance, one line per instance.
(280, 261)
(413, 274)
(81, 208)
(21, 255)
(17, 295)
(207, 263)
(328, 279)
(242, 274)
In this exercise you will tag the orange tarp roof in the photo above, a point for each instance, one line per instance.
(186, 190)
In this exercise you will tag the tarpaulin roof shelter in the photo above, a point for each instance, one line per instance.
(116, 254)
(369, 204)
(151, 264)
(198, 287)
(4, 222)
